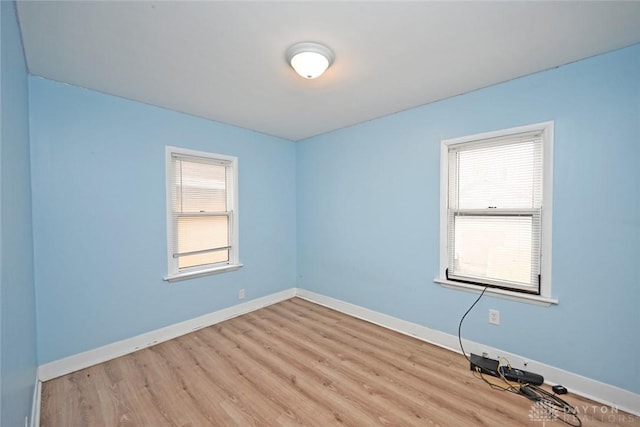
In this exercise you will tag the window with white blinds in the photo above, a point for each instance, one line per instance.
(494, 209)
(201, 212)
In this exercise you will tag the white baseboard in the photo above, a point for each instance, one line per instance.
(35, 403)
(83, 360)
(613, 397)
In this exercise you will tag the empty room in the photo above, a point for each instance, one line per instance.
(318, 213)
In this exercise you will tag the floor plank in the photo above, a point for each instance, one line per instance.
(293, 364)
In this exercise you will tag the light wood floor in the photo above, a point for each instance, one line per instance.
(293, 363)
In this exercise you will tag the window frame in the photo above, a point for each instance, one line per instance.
(544, 297)
(174, 273)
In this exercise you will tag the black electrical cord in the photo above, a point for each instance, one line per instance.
(462, 320)
(557, 407)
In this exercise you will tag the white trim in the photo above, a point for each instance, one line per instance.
(547, 207)
(595, 390)
(498, 293)
(107, 352)
(547, 129)
(193, 274)
(173, 273)
(36, 402)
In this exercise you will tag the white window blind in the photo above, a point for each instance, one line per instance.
(494, 211)
(200, 211)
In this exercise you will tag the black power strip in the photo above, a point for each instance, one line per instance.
(484, 365)
(492, 367)
(523, 377)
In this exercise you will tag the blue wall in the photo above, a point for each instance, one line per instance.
(17, 301)
(368, 224)
(99, 225)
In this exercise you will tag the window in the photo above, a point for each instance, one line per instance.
(496, 210)
(202, 214)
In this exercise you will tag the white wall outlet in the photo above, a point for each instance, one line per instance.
(241, 294)
(494, 316)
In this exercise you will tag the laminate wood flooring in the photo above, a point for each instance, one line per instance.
(294, 363)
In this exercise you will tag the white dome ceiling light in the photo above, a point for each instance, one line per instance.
(309, 60)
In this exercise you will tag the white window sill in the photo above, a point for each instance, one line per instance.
(499, 293)
(199, 273)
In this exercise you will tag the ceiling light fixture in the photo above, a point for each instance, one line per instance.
(309, 60)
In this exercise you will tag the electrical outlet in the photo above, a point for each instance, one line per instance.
(241, 294)
(494, 316)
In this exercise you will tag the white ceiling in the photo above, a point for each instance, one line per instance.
(226, 60)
